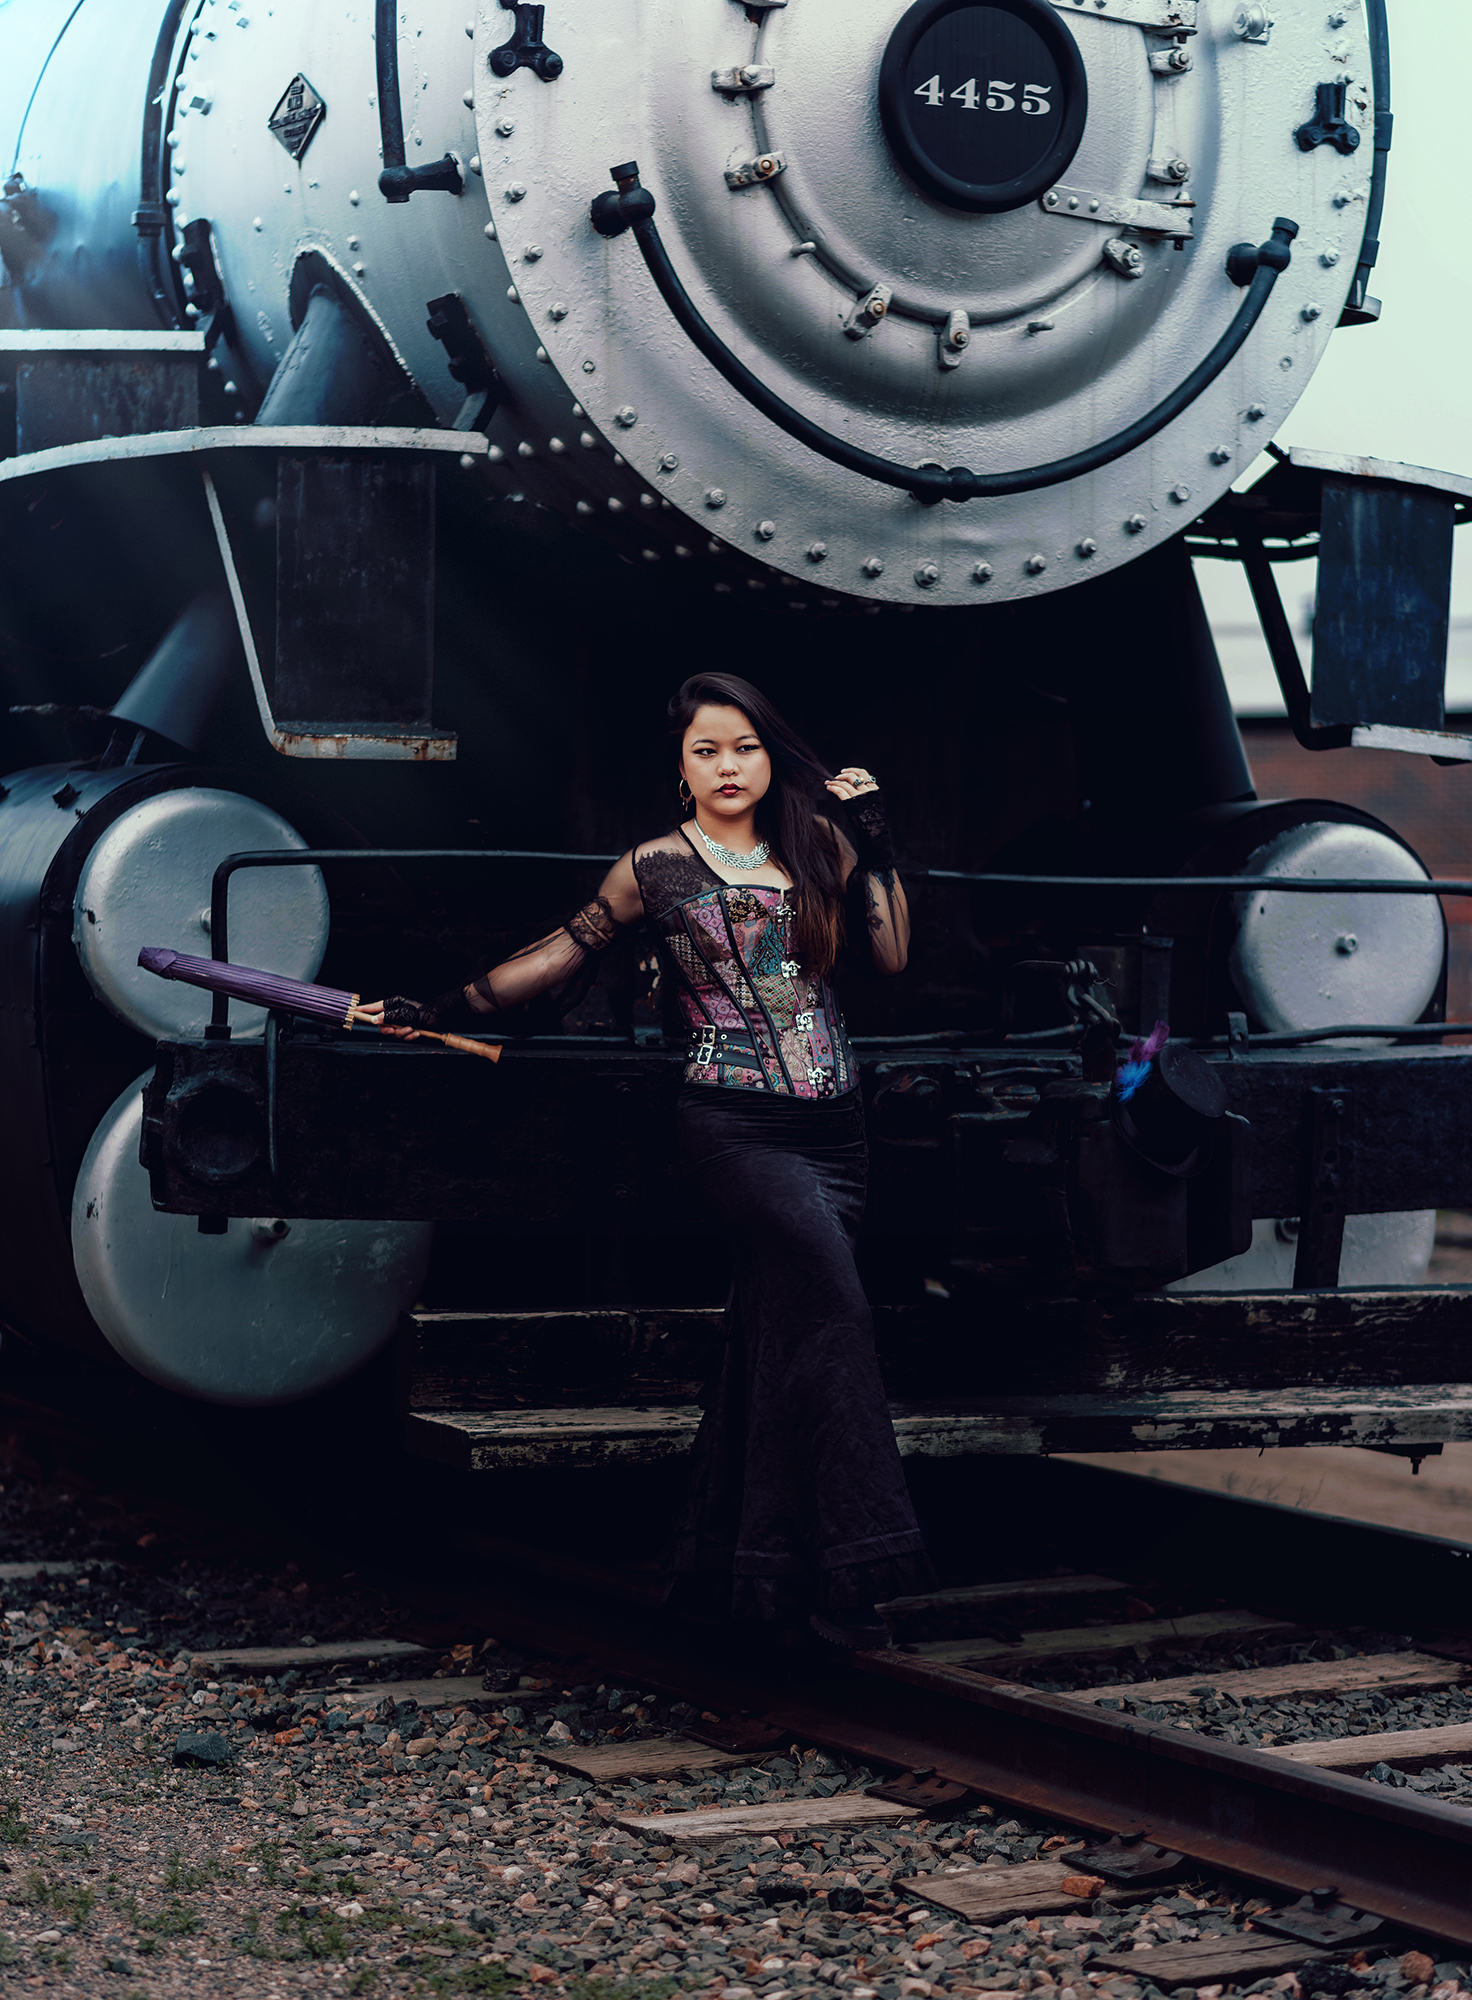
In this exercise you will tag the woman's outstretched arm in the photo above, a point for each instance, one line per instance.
(877, 910)
(538, 968)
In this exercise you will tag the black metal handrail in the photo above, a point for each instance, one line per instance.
(307, 857)
(304, 857)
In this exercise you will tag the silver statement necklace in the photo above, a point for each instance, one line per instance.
(727, 856)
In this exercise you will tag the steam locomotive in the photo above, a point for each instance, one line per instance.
(395, 406)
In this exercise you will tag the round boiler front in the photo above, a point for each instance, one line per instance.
(272, 1311)
(1017, 261)
(147, 882)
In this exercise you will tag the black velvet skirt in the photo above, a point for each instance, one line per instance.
(797, 1500)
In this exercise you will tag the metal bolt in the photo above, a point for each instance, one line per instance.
(495, 454)
(513, 294)
(1346, 944)
(749, 73)
(467, 98)
(927, 574)
(1124, 257)
(524, 450)
(1311, 313)
(1135, 524)
(1050, 200)
(817, 552)
(765, 530)
(1180, 493)
(650, 555)
(715, 497)
(532, 252)
(615, 506)
(467, 463)
(589, 367)
(354, 197)
(669, 462)
(1221, 454)
(1328, 258)
(270, 1231)
(231, 389)
(1088, 546)
(1255, 413)
(1035, 565)
(1251, 23)
(557, 311)
(626, 418)
(516, 192)
(1338, 18)
(982, 573)
(588, 440)
(542, 355)
(505, 126)
(648, 500)
(872, 566)
(1173, 61)
(584, 508)
(489, 232)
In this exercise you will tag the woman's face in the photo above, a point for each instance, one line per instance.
(724, 762)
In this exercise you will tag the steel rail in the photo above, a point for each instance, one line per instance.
(1238, 1810)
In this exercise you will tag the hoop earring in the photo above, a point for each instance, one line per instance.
(684, 794)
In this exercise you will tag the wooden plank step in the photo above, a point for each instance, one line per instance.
(657, 1757)
(1406, 1749)
(447, 1693)
(1322, 1677)
(256, 1660)
(721, 1823)
(1146, 1635)
(1210, 1961)
(993, 1893)
(478, 1440)
(1031, 1593)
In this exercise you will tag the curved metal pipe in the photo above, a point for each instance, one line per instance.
(397, 181)
(1355, 311)
(632, 207)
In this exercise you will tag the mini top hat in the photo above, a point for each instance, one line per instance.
(1166, 1104)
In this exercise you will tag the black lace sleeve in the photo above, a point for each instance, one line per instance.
(594, 927)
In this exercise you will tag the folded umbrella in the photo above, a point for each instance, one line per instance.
(294, 996)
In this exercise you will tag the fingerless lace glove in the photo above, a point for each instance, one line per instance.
(449, 1010)
(868, 829)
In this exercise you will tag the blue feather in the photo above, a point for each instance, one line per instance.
(1128, 1079)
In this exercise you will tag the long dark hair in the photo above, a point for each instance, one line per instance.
(791, 818)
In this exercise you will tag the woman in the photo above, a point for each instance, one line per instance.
(798, 1507)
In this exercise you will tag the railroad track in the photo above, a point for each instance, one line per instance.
(1218, 1743)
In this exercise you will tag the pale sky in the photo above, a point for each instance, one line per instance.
(1398, 389)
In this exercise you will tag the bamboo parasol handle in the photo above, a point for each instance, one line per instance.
(490, 1050)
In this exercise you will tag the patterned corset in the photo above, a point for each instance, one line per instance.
(757, 1021)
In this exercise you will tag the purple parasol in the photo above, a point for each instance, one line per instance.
(243, 982)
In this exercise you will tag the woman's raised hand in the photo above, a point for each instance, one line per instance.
(851, 782)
